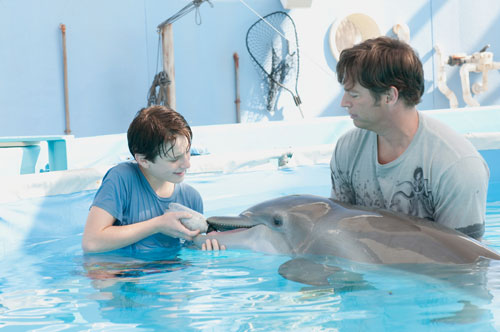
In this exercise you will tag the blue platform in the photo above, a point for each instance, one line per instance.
(30, 148)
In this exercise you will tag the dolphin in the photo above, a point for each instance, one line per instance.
(305, 226)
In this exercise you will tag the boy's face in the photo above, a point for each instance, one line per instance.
(173, 166)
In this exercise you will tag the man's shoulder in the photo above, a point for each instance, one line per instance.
(444, 138)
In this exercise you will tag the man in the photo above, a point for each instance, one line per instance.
(399, 158)
(128, 211)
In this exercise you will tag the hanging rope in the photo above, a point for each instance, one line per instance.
(157, 94)
(195, 4)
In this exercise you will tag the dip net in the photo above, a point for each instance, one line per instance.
(272, 43)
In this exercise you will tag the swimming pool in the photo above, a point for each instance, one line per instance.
(46, 284)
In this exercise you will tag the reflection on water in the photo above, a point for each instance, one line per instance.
(115, 266)
(51, 286)
(236, 290)
(200, 290)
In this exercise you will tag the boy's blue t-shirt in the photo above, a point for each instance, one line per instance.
(127, 195)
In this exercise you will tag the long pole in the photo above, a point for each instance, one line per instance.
(237, 85)
(67, 131)
(167, 40)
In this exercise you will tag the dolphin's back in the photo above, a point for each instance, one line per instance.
(385, 237)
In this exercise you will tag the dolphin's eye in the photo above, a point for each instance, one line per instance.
(278, 220)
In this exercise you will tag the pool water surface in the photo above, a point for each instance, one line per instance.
(47, 284)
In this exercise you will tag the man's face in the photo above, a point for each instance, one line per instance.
(364, 110)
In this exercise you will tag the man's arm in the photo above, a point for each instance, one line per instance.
(461, 197)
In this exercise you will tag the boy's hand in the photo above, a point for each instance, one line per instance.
(170, 224)
(212, 245)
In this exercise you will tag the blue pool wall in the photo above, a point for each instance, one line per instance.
(227, 148)
(112, 58)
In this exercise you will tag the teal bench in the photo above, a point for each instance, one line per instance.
(58, 159)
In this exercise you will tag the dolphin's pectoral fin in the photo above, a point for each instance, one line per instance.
(470, 313)
(315, 274)
(307, 272)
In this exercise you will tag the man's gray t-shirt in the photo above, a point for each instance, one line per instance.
(440, 176)
(126, 194)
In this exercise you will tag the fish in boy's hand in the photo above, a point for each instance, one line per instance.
(197, 221)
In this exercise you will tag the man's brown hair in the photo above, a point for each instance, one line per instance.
(377, 64)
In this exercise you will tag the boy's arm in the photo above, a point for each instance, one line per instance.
(101, 235)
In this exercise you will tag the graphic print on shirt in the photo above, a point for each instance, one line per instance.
(414, 197)
(364, 193)
(342, 191)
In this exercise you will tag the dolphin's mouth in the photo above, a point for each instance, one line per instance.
(222, 224)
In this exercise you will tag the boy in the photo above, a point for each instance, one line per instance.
(128, 211)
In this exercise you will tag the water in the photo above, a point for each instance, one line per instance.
(48, 285)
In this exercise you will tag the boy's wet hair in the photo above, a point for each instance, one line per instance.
(379, 63)
(153, 128)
